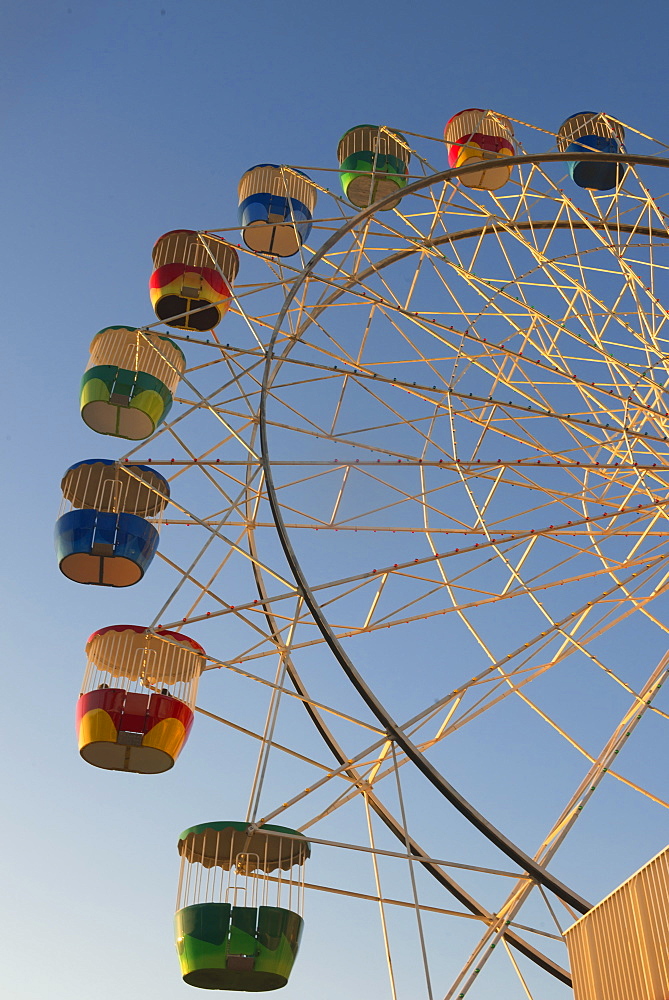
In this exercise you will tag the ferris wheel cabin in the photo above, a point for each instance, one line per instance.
(374, 164)
(239, 907)
(479, 136)
(136, 707)
(129, 383)
(103, 536)
(191, 285)
(276, 207)
(592, 132)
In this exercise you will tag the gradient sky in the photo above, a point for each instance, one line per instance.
(120, 121)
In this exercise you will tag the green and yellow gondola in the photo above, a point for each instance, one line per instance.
(374, 164)
(237, 925)
(128, 387)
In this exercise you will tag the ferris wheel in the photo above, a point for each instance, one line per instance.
(412, 502)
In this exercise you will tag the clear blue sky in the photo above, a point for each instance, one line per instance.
(121, 121)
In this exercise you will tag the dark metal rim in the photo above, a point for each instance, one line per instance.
(395, 732)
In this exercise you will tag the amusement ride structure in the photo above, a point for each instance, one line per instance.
(406, 447)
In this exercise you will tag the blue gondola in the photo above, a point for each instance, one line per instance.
(592, 132)
(276, 206)
(104, 537)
